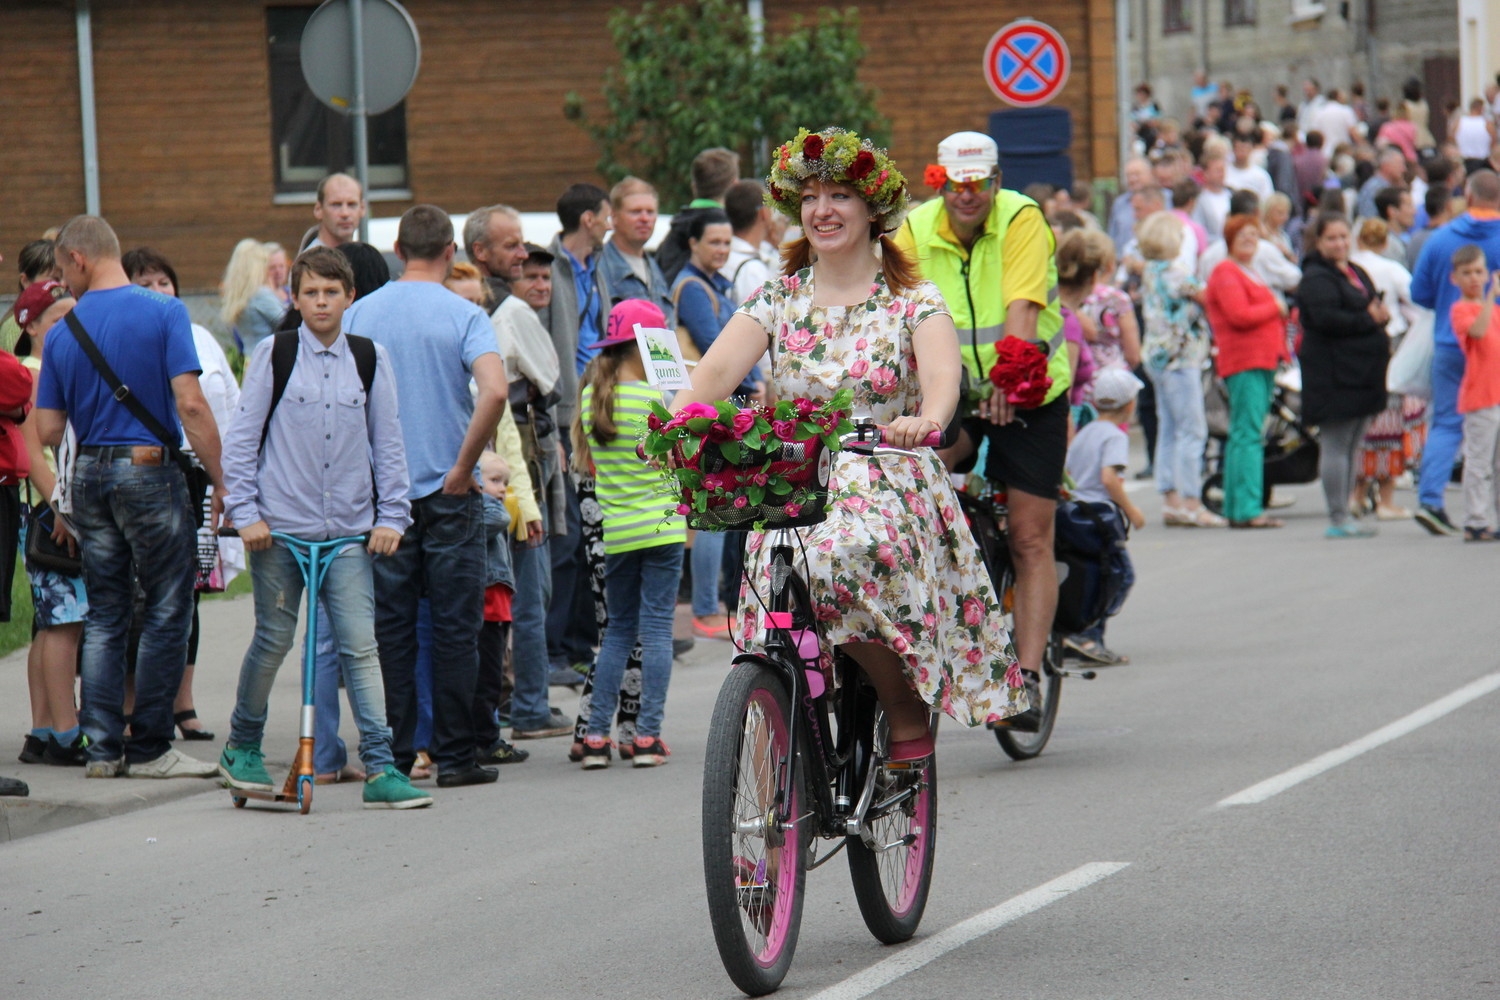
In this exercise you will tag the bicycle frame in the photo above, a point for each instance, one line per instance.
(843, 796)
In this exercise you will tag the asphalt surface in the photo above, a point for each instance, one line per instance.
(1253, 653)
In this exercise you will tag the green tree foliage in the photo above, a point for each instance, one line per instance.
(689, 78)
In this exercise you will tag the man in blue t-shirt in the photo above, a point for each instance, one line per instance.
(437, 343)
(131, 505)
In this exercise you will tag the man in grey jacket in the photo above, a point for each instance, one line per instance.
(576, 318)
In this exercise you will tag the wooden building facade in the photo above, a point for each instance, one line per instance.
(196, 150)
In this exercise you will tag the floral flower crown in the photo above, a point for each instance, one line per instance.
(837, 156)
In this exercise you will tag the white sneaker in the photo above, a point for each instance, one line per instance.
(174, 764)
(106, 768)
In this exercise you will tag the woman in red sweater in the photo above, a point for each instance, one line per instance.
(1249, 325)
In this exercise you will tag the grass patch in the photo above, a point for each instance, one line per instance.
(16, 633)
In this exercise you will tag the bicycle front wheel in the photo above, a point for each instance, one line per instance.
(753, 862)
(892, 869)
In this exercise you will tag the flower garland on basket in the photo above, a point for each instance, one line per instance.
(749, 468)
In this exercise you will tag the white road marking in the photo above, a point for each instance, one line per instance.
(885, 972)
(1385, 734)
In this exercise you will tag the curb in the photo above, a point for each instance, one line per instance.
(23, 817)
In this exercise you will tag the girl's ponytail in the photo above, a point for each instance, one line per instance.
(600, 376)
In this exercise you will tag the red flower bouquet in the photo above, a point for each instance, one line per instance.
(1021, 372)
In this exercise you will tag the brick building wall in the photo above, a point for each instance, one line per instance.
(184, 119)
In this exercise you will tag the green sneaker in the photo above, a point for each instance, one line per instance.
(244, 767)
(390, 789)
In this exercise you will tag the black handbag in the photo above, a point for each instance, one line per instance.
(42, 552)
(198, 480)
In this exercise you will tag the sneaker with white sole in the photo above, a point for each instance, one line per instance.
(243, 766)
(106, 768)
(174, 764)
(390, 789)
(596, 752)
(650, 751)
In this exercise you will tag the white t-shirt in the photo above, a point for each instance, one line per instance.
(747, 268)
(1099, 445)
(1393, 282)
(1211, 209)
(1251, 178)
(1337, 121)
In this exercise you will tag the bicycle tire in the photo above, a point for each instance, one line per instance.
(1024, 746)
(891, 883)
(754, 873)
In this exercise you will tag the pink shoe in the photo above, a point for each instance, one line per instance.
(907, 752)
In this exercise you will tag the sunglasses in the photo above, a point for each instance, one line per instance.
(969, 187)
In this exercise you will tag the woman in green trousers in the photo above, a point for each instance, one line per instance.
(1249, 327)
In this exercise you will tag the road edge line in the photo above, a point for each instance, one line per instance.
(924, 952)
(1275, 785)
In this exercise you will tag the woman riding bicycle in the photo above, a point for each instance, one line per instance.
(896, 575)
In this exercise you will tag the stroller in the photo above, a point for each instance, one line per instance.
(1291, 447)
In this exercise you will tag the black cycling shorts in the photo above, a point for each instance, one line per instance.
(1027, 456)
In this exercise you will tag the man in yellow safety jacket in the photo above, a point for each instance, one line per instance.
(990, 252)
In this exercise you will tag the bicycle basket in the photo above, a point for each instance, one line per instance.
(805, 466)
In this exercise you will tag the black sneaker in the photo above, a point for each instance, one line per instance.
(475, 775)
(75, 754)
(10, 786)
(1435, 520)
(682, 646)
(1029, 721)
(503, 753)
(33, 750)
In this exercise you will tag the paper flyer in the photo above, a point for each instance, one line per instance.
(662, 357)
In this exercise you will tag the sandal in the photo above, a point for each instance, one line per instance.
(190, 734)
(1176, 517)
(1205, 518)
(1259, 522)
(1095, 652)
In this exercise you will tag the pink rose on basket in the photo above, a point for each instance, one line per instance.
(859, 368)
(743, 422)
(741, 501)
(793, 509)
(759, 479)
(973, 611)
(883, 381)
(805, 407)
(682, 508)
(693, 411)
(718, 433)
(714, 483)
(799, 341)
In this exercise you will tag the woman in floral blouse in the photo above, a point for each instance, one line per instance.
(896, 576)
(1174, 351)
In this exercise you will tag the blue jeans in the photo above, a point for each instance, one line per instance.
(442, 553)
(1445, 431)
(133, 522)
(529, 708)
(329, 752)
(640, 592)
(1181, 432)
(707, 563)
(348, 597)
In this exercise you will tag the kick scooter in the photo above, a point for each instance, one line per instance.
(313, 559)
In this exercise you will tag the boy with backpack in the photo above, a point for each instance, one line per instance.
(1096, 464)
(315, 451)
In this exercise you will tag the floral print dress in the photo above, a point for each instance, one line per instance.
(894, 563)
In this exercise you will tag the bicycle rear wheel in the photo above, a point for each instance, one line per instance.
(1024, 746)
(893, 873)
(753, 865)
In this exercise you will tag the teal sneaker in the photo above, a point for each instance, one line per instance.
(390, 789)
(244, 767)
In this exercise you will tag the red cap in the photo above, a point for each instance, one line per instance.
(36, 299)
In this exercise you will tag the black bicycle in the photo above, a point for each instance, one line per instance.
(986, 514)
(797, 756)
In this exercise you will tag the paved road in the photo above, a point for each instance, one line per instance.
(1254, 653)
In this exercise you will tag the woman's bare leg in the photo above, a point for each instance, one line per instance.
(907, 714)
(60, 667)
